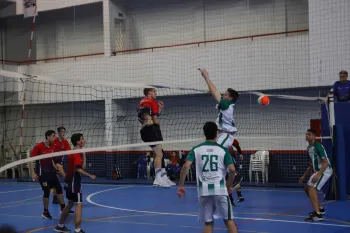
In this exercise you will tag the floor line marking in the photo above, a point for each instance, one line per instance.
(222, 229)
(91, 220)
(21, 190)
(88, 199)
(23, 200)
(4, 207)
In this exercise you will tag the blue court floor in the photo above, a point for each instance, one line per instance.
(137, 208)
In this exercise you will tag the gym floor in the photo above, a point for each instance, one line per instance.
(143, 208)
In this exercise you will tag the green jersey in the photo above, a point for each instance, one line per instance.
(226, 118)
(211, 161)
(317, 153)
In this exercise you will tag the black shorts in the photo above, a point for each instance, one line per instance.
(73, 196)
(49, 180)
(151, 133)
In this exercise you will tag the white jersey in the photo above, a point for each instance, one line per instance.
(211, 161)
(226, 119)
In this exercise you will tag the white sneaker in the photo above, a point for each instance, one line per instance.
(171, 183)
(161, 183)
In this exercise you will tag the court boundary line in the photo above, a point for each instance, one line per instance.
(251, 188)
(20, 190)
(88, 199)
(22, 200)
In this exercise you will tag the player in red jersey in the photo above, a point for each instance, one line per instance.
(60, 144)
(45, 172)
(76, 168)
(148, 113)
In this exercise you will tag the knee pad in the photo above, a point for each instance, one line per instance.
(58, 189)
(46, 192)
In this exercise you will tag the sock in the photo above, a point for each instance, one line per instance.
(46, 210)
(62, 206)
(163, 172)
(239, 193)
(60, 225)
(158, 173)
(77, 230)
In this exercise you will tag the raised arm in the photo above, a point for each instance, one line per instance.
(212, 88)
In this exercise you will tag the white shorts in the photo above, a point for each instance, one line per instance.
(214, 207)
(321, 182)
(225, 139)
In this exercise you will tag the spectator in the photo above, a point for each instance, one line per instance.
(142, 166)
(150, 162)
(174, 167)
(341, 88)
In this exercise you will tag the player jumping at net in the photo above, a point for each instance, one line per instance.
(76, 168)
(148, 113)
(238, 177)
(60, 144)
(226, 107)
(322, 171)
(45, 172)
(212, 162)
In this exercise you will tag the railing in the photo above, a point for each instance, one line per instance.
(155, 47)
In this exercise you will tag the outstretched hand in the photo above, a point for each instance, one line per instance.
(204, 73)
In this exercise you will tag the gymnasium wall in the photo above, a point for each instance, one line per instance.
(279, 61)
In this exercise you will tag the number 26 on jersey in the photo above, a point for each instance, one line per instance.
(210, 163)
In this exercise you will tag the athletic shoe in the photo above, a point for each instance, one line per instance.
(241, 199)
(46, 215)
(322, 211)
(161, 183)
(314, 217)
(63, 229)
(170, 182)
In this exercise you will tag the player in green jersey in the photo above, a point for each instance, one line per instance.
(322, 171)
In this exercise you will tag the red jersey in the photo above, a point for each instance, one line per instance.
(59, 145)
(148, 106)
(43, 165)
(73, 178)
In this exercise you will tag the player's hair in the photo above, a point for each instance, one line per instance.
(312, 131)
(60, 128)
(233, 94)
(75, 138)
(147, 90)
(210, 130)
(343, 72)
(49, 133)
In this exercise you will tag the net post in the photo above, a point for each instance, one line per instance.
(108, 121)
(331, 111)
(339, 149)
